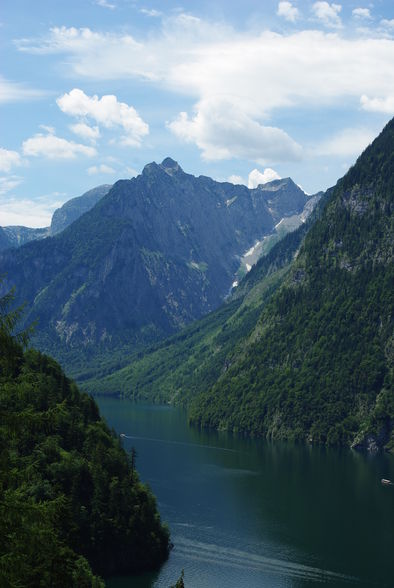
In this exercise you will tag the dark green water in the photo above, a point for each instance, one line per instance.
(251, 514)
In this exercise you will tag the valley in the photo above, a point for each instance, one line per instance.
(197, 294)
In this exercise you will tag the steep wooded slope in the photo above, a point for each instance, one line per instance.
(70, 497)
(318, 363)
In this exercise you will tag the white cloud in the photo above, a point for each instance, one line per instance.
(131, 172)
(151, 12)
(389, 24)
(9, 159)
(253, 73)
(274, 70)
(348, 142)
(105, 4)
(50, 130)
(8, 183)
(86, 132)
(234, 179)
(223, 130)
(256, 178)
(362, 13)
(288, 11)
(100, 169)
(27, 212)
(106, 111)
(15, 92)
(385, 105)
(328, 14)
(54, 147)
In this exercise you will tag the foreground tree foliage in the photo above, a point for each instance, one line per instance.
(71, 503)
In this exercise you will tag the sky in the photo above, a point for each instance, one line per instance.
(93, 90)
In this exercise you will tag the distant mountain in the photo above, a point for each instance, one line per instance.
(155, 253)
(76, 207)
(303, 349)
(16, 236)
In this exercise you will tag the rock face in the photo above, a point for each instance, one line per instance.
(155, 253)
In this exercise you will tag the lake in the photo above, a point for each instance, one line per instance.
(251, 514)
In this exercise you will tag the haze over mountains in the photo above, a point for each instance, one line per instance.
(155, 253)
(15, 236)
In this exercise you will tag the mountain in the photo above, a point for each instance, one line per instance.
(15, 236)
(318, 363)
(154, 254)
(182, 366)
(76, 207)
(303, 349)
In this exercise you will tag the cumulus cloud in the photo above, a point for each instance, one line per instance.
(384, 105)
(223, 130)
(54, 147)
(256, 178)
(328, 14)
(100, 169)
(348, 142)
(9, 159)
(362, 13)
(86, 132)
(255, 73)
(237, 180)
(106, 111)
(288, 11)
(277, 70)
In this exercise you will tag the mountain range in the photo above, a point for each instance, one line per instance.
(303, 349)
(155, 253)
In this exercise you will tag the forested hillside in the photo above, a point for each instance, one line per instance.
(318, 363)
(71, 503)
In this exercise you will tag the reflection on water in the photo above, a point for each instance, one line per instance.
(247, 514)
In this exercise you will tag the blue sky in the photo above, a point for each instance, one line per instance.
(92, 90)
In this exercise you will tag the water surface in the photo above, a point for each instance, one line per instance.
(252, 514)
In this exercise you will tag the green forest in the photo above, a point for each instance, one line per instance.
(72, 507)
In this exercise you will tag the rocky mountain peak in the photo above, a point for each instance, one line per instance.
(170, 166)
(275, 185)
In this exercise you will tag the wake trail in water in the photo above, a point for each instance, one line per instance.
(226, 556)
(170, 442)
